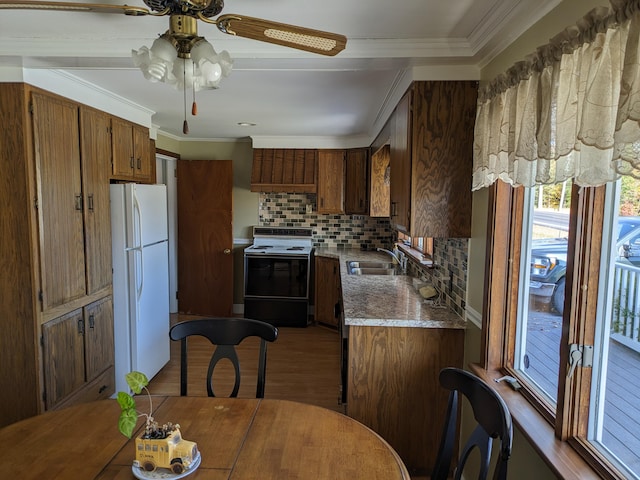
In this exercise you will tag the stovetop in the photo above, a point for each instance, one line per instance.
(279, 249)
(281, 241)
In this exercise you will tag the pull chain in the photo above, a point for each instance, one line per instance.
(185, 124)
(194, 105)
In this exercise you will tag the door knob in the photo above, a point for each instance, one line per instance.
(227, 251)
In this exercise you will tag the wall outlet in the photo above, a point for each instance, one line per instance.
(309, 208)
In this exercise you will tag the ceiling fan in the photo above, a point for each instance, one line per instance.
(200, 66)
(183, 28)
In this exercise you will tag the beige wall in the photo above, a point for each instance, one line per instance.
(525, 463)
(245, 202)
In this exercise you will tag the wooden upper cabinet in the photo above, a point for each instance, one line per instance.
(284, 170)
(95, 147)
(400, 160)
(144, 157)
(442, 149)
(356, 188)
(60, 202)
(380, 182)
(431, 150)
(331, 176)
(131, 151)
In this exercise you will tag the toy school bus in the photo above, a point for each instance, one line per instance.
(172, 452)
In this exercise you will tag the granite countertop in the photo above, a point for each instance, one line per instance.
(385, 300)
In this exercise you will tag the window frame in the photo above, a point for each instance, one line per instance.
(567, 424)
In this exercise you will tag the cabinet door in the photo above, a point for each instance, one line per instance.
(122, 146)
(95, 147)
(98, 337)
(356, 186)
(284, 170)
(443, 158)
(380, 180)
(331, 181)
(57, 153)
(327, 290)
(400, 188)
(63, 356)
(142, 154)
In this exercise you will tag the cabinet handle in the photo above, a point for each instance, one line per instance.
(90, 202)
(227, 251)
(131, 162)
(78, 202)
(139, 164)
(102, 388)
(92, 321)
(81, 326)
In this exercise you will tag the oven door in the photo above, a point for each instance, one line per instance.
(277, 276)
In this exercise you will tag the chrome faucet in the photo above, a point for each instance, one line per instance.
(401, 258)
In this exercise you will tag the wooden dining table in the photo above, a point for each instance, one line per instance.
(238, 439)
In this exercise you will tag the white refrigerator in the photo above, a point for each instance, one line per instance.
(140, 279)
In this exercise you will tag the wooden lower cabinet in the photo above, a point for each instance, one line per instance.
(328, 295)
(77, 349)
(393, 386)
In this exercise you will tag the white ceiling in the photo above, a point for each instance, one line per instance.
(287, 93)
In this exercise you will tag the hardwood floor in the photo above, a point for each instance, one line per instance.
(303, 365)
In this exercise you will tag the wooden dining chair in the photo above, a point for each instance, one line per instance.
(225, 334)
(494, 422)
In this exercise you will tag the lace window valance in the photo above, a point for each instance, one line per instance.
(569, 110)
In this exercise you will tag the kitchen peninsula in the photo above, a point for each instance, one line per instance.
(397, 345)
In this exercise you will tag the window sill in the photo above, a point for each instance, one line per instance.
(561, 458)
(416, 255)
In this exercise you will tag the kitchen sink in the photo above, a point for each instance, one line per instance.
(372, 268)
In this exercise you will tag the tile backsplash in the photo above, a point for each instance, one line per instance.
(332, 231)
(364, 232)
(450, 274)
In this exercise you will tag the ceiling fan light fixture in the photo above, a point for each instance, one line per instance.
(156, 62)
(198, 66)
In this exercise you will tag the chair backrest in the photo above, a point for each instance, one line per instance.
(225, 334)
(494, 422)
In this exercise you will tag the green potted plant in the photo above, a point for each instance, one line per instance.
(158, 446)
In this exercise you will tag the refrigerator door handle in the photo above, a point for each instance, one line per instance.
(137, 222)
(140, 272)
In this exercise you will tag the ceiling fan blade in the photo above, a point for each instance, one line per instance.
(73, 7)
(316, 41)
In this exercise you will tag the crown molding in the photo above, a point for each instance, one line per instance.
(65, 84)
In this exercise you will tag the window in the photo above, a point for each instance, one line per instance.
(563, 312)
(543, 265)
(423, 245)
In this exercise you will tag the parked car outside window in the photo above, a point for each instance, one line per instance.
(549, 262)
